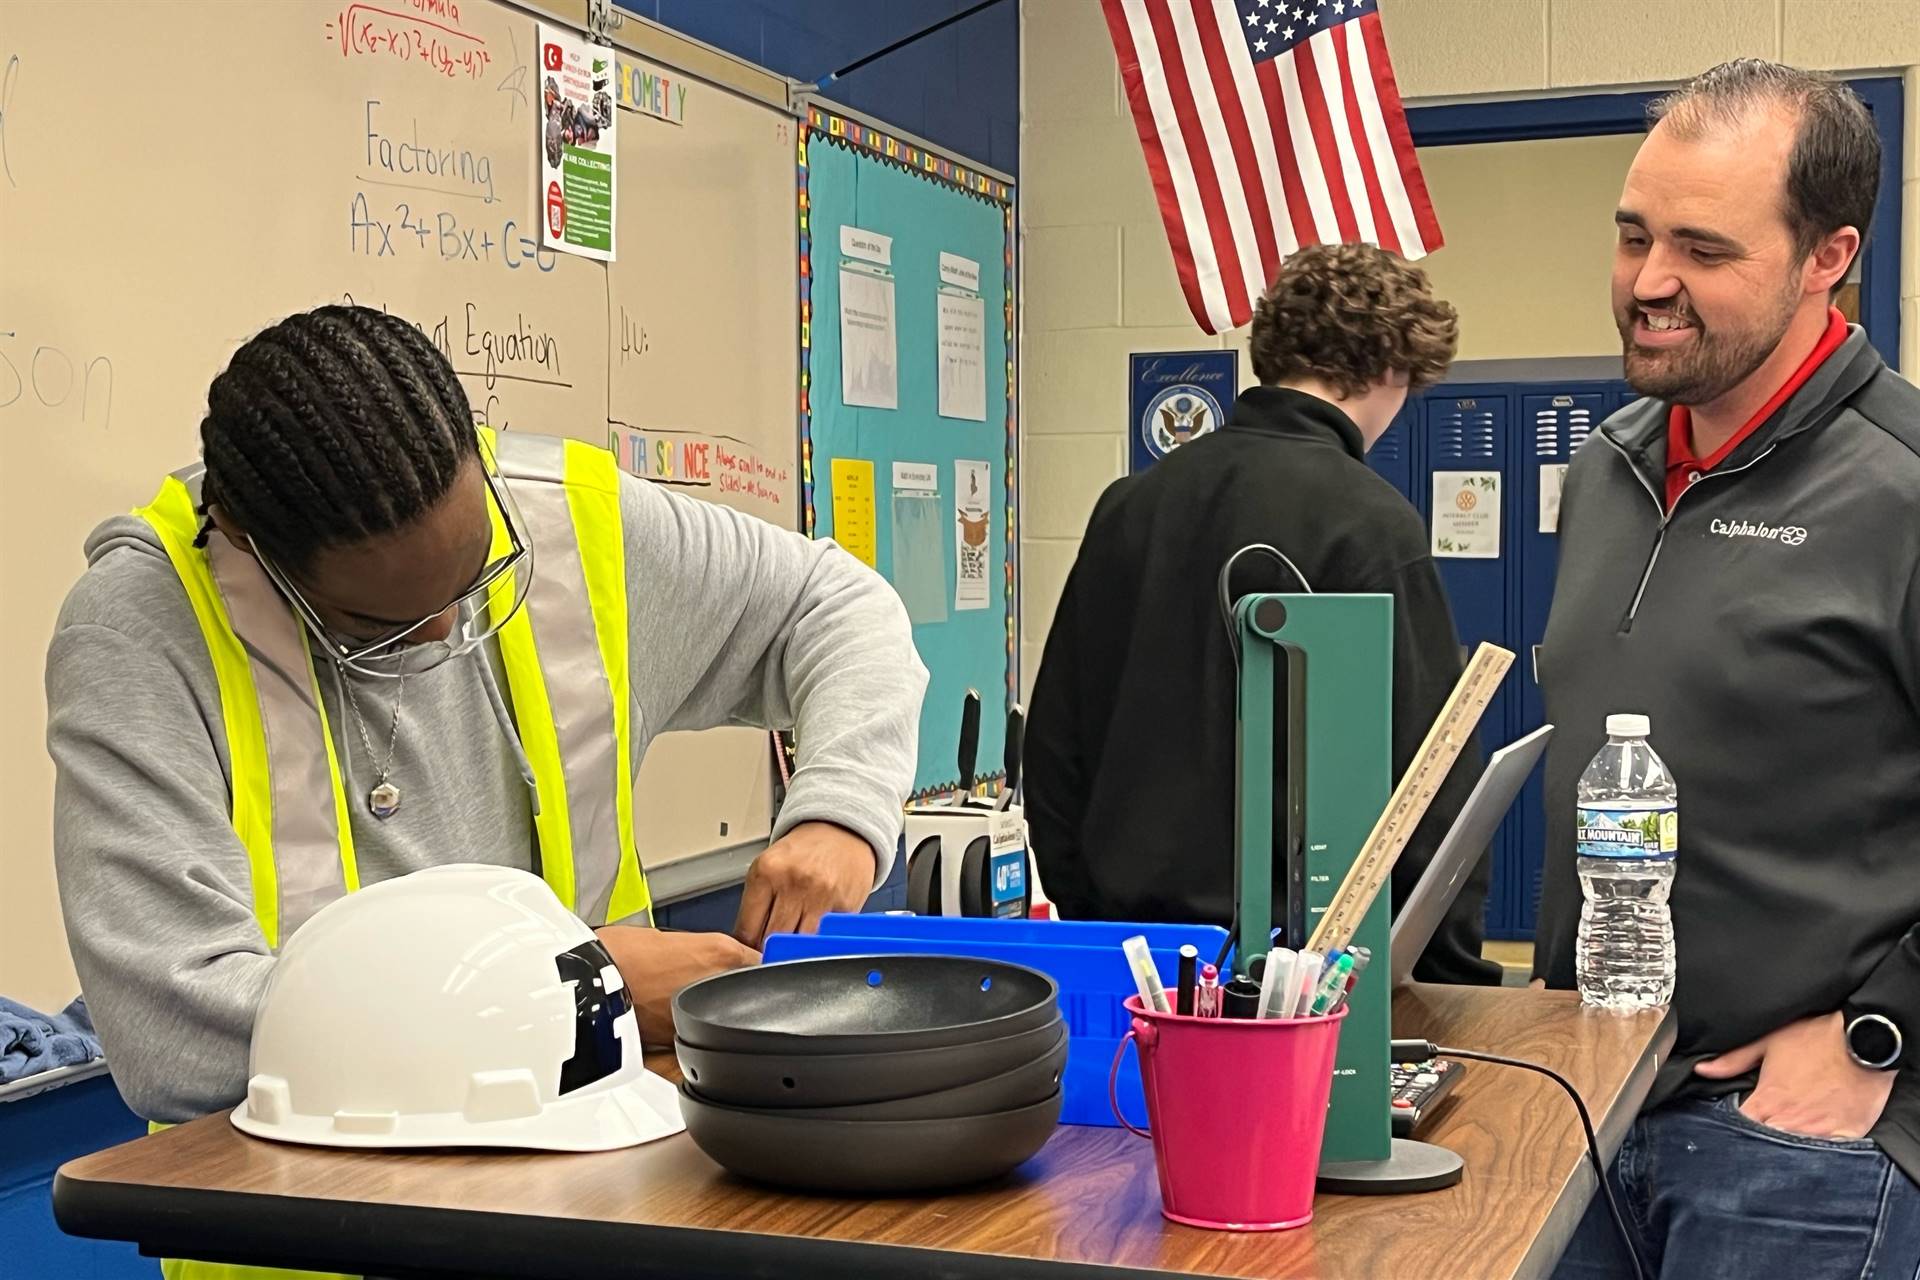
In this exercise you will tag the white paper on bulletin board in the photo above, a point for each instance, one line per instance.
(1466, 515)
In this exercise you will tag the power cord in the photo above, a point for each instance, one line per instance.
(1226, 598)
(1405, 1052)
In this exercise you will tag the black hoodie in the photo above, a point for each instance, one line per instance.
(1771, 628)
(1130, 742)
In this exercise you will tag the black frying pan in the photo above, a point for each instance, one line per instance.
(873, 1157)
(863, 1004)
(856, 1079)
(1031, 1082)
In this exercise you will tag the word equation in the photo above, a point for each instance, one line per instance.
(365, 31)
(444, 235)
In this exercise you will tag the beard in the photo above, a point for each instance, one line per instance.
(1719, 358)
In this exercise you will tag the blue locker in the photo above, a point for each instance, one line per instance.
(1392, 454)
(1469, 428)
(1555, 422)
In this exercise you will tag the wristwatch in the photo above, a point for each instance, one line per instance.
(1873, 1040)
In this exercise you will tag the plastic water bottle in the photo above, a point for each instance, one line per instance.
(1627, 833)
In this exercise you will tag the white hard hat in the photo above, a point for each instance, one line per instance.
(461, 1006)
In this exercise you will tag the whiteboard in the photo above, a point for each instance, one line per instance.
(177, 176)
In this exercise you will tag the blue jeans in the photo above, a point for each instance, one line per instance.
(1707, 1192)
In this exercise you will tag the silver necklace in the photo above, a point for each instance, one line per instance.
(383, 801)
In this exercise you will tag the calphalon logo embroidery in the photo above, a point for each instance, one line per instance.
(1791, 535)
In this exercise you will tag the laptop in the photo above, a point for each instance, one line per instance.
(1463, 846)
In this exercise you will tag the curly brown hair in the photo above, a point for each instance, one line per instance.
(1350, 315)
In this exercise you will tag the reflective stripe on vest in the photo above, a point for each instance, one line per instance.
(565, 654)
(568, 674)
(279, 744)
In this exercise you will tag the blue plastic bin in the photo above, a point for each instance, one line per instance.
(1083, 956)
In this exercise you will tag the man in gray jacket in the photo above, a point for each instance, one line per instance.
(331, 656)
(1740, 560)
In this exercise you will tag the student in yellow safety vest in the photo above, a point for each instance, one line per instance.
(362, 638)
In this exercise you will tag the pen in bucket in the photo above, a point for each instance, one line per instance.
(1206, 1001)
(1189, 974)
(1361, 956)
(1145, 976)
(1332, 987)
(1306, 976)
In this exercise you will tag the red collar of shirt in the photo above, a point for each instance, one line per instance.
(1683, 468)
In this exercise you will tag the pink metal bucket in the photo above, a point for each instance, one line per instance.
(1238, 1109)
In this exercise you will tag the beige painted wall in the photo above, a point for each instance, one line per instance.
(1529, 248)
(1099, 281)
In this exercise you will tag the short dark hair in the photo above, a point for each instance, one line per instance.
(1833, 170)
(1350, 315)
(331, 427)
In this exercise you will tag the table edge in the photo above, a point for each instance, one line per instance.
(1609, 1130)
(439, 1240)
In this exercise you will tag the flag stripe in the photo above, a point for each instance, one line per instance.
(1187, 118)
(1385, 234)
(1221, 153)
(1299, 210)
(1172, 180)
(1326, 224)
(1406, 230)
(1396, 119)
(1353, 179)
(1258, 266)
(1321, 125)
(1254, 117)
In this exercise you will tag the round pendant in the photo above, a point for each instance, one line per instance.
(384, 801)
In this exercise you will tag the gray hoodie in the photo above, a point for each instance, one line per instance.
(734, 622)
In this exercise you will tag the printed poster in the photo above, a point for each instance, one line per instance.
(853, 526)
(963, 356)
(576, 144)
(973, 534)
(1466, 515)
(869, 355)
(919, 541)
(1553, 478)
(1177, 396)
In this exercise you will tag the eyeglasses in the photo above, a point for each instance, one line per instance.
(479, 612)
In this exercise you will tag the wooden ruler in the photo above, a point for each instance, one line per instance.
(1410, 800)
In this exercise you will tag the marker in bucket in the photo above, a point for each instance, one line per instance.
(1189, 974)
(1361, 957)
(1240, 999)
(1206, 1001)
(1306, 977)
(1332, 987)
(1277, 985)
(1145, 977)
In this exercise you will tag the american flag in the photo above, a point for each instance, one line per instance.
(1268, 124)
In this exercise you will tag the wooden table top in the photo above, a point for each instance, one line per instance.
(1088, 1204)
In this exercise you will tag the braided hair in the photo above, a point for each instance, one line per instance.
(331, 427)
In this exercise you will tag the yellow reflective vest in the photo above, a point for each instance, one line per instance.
(566, 659)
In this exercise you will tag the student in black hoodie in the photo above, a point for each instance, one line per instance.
(1130, 743)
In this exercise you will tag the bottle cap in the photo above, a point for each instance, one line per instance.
(1628, 726)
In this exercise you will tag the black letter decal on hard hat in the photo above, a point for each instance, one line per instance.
(596, 1048)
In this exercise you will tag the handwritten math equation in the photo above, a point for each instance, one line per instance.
(365, 31)
(405, 230)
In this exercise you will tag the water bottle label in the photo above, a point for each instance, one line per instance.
(1607, 831)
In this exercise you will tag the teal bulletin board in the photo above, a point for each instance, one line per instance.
(921, 522)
